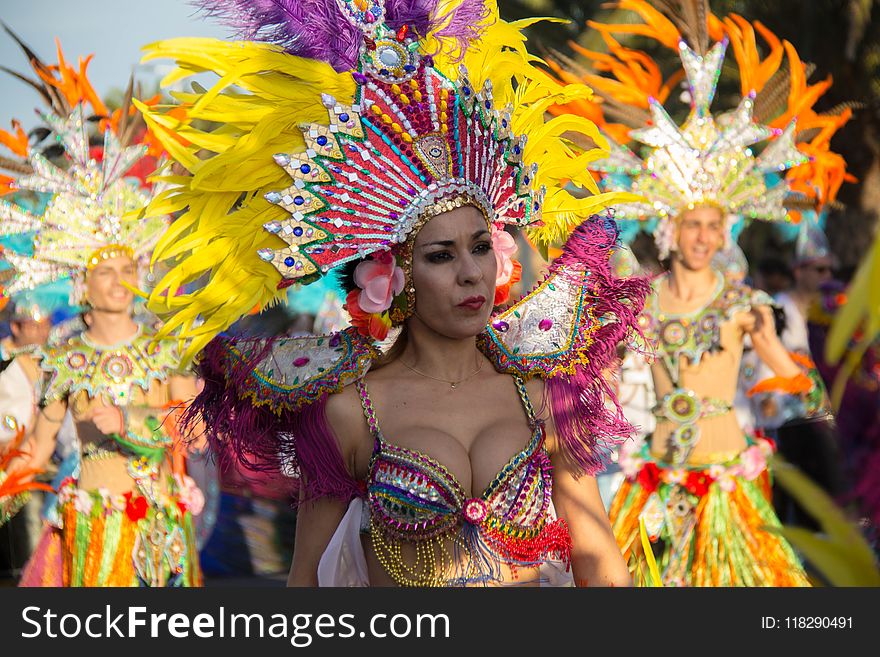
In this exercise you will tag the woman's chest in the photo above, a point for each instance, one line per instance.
(470, 462)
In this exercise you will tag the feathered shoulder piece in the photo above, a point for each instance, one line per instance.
(566, 331)
(283, 374)
(265, 401)
(554, 328)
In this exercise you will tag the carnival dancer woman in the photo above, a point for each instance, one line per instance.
(700, 484)
(438, 462)
(125, 517)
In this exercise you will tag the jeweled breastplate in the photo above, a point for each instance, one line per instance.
(114, 372)
(679, 336)
(110, 371)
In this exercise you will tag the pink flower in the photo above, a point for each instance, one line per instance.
(504, 247)
(753, 462)
(675, 476)
(724, 477)
(66, 490)
(726, 482)
(82, 502)
(716, 471)
(190, 494)
(380, 280)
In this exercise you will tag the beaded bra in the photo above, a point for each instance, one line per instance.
(460, 540)
(690, 335)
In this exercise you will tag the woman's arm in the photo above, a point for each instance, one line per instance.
(759, 324)
(596, 560)
(317, 520)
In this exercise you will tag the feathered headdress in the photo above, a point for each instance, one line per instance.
(377, 115)
(710, 159)
(91, 203)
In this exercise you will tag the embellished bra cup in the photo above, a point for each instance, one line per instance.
(416, 498)
(461, 540)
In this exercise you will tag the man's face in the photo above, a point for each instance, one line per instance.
(27, 332)
(813, 274)
(700, 234)
(105, 290)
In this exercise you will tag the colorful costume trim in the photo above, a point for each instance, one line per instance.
(80, 366)
(707, 521)
(126, 540)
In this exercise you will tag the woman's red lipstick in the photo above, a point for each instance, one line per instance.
(474, 303)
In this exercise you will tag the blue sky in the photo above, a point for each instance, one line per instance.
(113, 30)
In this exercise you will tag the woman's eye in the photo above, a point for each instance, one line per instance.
(483, 247)
(439, 256)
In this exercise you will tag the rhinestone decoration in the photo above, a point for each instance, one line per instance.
(380, 166)
(707, 160)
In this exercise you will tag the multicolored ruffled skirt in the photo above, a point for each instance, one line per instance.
(706, 522)
(118, 540)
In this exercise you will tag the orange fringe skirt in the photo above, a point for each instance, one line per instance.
(125, 542)
(706, 523)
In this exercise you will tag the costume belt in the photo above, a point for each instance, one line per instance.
(685, 408)
(682, 406)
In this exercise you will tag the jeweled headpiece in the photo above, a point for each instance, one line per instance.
(93, 210)
(710, 160)
(412, 109)
(90, 204)
(811, 243)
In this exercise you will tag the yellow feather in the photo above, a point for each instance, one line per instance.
(259, 98)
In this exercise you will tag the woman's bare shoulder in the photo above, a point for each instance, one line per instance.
(345, 416)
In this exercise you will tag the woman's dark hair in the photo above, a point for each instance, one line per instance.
(395, 351)
(345, 276)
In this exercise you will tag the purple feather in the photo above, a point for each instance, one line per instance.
(463, 23)
(318, 29)
(299, 443)
(587, 429)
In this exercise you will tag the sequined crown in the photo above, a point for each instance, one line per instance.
(412, 144)
(708, 161)
(93, 211)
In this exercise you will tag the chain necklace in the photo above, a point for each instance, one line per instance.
(453, 384)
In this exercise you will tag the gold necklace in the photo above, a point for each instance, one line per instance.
(451, 383)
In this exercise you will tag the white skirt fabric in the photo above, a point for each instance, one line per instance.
(344, 563)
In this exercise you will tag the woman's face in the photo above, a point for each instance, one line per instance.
(700, 236)
(104, 288)
(454, 273)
